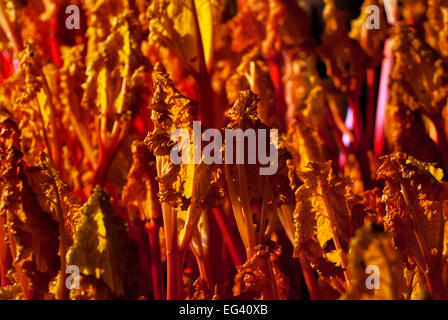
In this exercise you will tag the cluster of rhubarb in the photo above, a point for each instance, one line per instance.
(92, 205)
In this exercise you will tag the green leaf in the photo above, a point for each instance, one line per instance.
(102, 248)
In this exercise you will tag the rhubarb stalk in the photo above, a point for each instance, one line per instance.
(152, 229)
(233, 244)
(391, 7)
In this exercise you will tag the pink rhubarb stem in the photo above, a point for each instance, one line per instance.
(383, 97)
(358, 124)
(152, 230)
(391, 7)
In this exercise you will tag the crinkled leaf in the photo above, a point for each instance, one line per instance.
(32, 233)
(181, 25)
(374, 248)
(170, 110)
(102, 248)
(54, 196)
(414, 198)
(324, 216)
(345, 60)
(114, 72)
(140, 192)
(420, 72)
(405, 129)
(371, 39)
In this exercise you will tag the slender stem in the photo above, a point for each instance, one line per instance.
(360, 147)
(206, 101)
(339, 284)
(247, 212)
(107, 155)
(79, 126)
(336, 133)
(173, 258)
(172, 255)
(54, 42)
(371, 105)
(205, 270)
(308, 274)
(237, 206)
(275, 66)
(152, 229)
(358, 123)
(274, 289)
(232, 242)
(194, 214)
(44, 131)
(335, 117)
(310, 279)
(53, 124)
(435, 283)
(383, 97)
(3, 279)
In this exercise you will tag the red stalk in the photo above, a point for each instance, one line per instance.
(54, 42)
(152, 229)
(383, 97)
(205, 270)
(273, 290)
(53, 123)
(4, 280)
(138, 233)
(391, 7)
(360, 147)
(205, 97)
(371, 105)
(173, 257)
(336, 133)
(62, 292)
(435, 284)
(6, 64)
(174, 270)
(358, 123)
(310, 279)
(276, 76)
(108, 153)
(233, 244)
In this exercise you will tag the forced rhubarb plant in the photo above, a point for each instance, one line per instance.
(111, 187)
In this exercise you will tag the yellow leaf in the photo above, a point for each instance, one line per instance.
(184, 26)
(102, 248)
(205, 19)
(371, 248)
